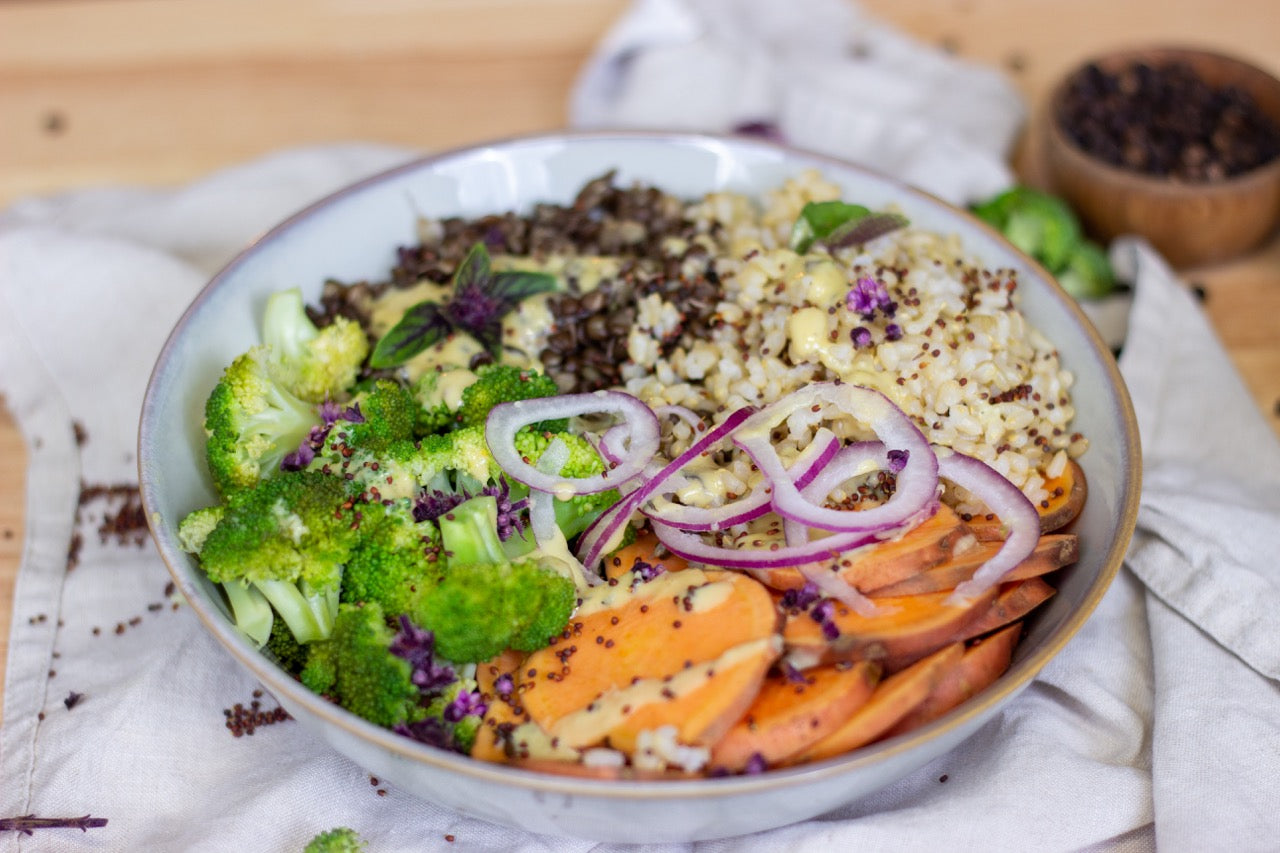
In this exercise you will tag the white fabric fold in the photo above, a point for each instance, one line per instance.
(827, 76)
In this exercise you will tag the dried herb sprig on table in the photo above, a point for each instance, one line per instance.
(27, 824)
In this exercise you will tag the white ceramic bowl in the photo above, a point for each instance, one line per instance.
(354, 233)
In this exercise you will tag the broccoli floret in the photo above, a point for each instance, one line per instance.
(196, 526)
(433, 391)
(463, 451)
(339, 840)
(289, 536)
(483, 604)
(395, 555)
(576, 514)
(372, 445)
(252, 422)
(505, 383)
(459, 711)
(315, 364)
(357, 669)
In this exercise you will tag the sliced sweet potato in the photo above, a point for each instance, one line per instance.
(1014, 601)
(1054, 551)
(933, 540)
(1067, 494)
(627, 632)
(906, 628)
(504, 710)
(598, 771)
(644, 549)
(894, 698)
(980, 665)
(701, 702)
(791, 713)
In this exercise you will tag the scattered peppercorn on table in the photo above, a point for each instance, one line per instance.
(166, 91)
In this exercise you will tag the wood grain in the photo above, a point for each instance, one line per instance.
(157, 92)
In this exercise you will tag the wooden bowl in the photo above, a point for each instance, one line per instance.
(1190, 223)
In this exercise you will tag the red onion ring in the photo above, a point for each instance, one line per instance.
(806, 466)
(1008, 502)
(507, 419)
(917, 482)
(691, 547)
(606, 529)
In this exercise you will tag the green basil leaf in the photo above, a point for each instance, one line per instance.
(421, 326)
(473, 271)
(858, 231)
(516, 285)
(819, 218)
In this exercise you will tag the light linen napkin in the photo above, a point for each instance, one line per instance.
(821, 73)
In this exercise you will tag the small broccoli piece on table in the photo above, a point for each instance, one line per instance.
(314, 363)
(289, 536)
(1088, 273)
(393, 557)
(505, 383)
(252, 422)
(357, 669)
(339, 840)
(484, 603)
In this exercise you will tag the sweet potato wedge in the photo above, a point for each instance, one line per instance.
(790, 714)
(980, 665)
(929, 543)
(504, 710)
(1014, 601)
(630, 631)
(701, 702)
(1067, 494)
(1054, 551)
(907, 628)
(894, 698)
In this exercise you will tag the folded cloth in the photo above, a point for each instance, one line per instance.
(821, 73)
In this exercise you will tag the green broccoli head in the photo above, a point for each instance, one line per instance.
(576, 514)
(314, 363)
(477, 610)
(252, 422)
(394, 557)
(438, 393)
(339, 840)
(285, 649)
(289, 536)
(1038, 223)
(463, 451)
(357, 669)
(483, 604)
(371, 445)
(196, 526)
(455, 715)
(1088, 273)
(505, 383)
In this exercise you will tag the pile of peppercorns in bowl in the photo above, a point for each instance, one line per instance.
(1177, 145)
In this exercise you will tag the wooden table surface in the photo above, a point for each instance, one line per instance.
(156, 92)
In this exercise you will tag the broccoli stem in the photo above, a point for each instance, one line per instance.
(469, 532)
(309, 616)
(251, 610)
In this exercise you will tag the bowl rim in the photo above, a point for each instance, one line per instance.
(1259, 176)
(1019, 676)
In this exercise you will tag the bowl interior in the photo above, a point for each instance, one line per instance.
(354, 235)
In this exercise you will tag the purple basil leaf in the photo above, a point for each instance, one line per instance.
(421, 326)
(473, 271)
(515, 285)
(862, 230)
